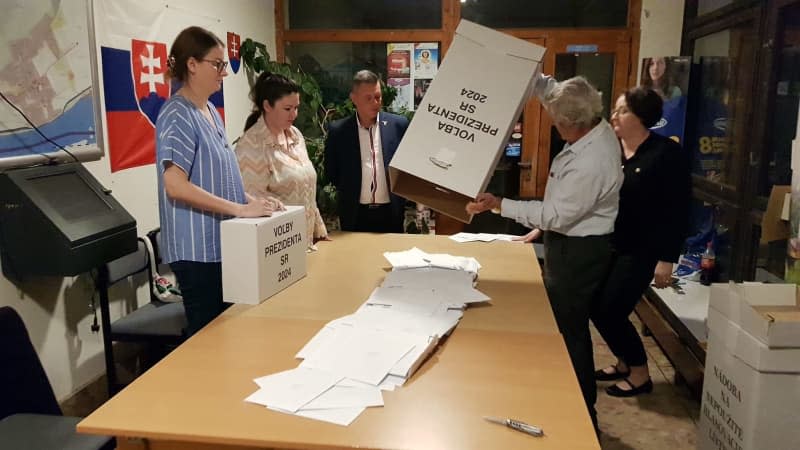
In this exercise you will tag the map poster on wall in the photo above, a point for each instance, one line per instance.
(46, 83)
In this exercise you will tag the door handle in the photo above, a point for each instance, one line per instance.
(527, 167)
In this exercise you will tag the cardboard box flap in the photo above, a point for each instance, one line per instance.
(749, 349)
(773, 226)
(504, 43)
(769, 312)
(439, 198)
(779, 326)
(779, 313)
(769, 293)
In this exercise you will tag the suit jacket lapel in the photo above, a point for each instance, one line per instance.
(386, 150)
(350, 139)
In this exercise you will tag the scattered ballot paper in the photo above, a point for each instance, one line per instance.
(291, 389)
(347, 396)
(362, 355)
(416, 258)
(352, 359)
(481, 237)
(338, 416)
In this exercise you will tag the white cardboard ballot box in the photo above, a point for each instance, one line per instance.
(263, 256)
(769, 312)
(452, 145)
(750, 390)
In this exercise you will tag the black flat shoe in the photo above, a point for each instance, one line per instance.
(645, 388)
(601, 375)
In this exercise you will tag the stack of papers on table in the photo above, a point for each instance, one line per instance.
(481, 237)
(416, 258)
(352, 359)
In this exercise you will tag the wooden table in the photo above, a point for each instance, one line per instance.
(503, 359)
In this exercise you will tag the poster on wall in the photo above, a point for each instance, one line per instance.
(669, 77)
(713, 135)
(411, 67)
(398, 60)
(404, 92)
(426, 60)
(420, 88)
(46, 82)
(133, 40)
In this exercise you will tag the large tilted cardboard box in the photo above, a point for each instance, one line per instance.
(751, 391)
(452, 146)
(263, 256)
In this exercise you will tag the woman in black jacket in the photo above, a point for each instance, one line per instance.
(648, 234)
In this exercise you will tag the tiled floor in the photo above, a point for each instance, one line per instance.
(665, 419)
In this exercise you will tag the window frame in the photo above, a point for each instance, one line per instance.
(748, 206)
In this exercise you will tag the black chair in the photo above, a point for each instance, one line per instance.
(157, 323)
(30, 417)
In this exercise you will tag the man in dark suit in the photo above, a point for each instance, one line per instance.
(357, 154)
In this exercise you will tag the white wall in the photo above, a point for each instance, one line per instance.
(55, 310)
(662, 24)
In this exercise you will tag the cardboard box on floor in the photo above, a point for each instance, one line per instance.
(750, 391)
(262, 256)
(452, 146)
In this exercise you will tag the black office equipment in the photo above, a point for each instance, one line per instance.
(59, 220)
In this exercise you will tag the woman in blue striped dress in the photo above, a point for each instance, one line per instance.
(199, 183)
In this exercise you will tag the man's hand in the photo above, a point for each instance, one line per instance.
(530, 237)
(483, 202)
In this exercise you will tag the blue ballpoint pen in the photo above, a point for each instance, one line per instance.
(517, 425)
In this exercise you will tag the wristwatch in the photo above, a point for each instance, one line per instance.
(499, 207)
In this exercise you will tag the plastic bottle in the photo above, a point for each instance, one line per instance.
(707, 263)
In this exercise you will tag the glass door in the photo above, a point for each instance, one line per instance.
(604, 61)
(778, 258)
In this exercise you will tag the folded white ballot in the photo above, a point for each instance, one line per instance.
(346, 397)
(291, 389)
(415, 258)
(363, 355)
(481, 237)
(337, 416)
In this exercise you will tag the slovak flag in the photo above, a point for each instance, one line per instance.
(234, 44)
(135, 87)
